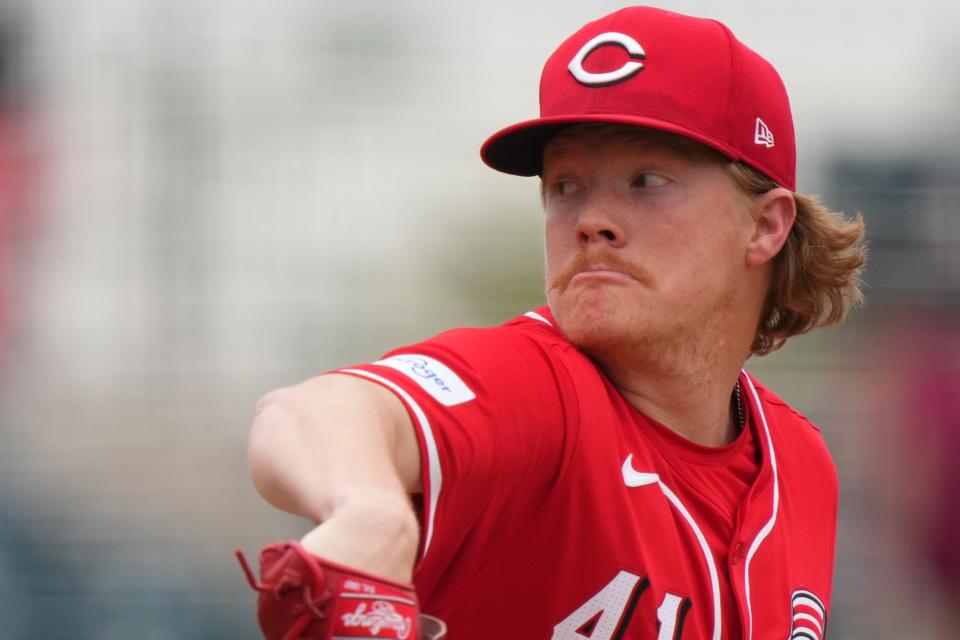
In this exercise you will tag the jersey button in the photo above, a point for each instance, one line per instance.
(737, 553)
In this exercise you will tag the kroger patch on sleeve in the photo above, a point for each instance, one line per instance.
(433, 376)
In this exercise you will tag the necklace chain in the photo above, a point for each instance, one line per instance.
(736, 398)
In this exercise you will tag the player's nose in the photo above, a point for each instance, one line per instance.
(597, 223)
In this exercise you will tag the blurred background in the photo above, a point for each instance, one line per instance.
(204, 200)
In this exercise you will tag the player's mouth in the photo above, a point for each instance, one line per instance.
(602, 274)
(607, 268)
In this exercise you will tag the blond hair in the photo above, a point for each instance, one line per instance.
(816, 276)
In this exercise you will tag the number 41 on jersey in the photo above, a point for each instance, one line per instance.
(606, 615)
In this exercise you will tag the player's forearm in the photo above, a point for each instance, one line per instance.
(376, 534)
(328, 450)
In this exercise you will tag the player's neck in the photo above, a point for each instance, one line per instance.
(688, 393)
(701, 415)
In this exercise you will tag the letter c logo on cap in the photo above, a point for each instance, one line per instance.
(628, 69)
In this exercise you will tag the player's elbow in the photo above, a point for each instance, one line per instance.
(263, 450)
(276, 450)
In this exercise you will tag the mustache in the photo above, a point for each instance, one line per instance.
(603, 260)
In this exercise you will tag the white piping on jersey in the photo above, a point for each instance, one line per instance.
(537, 316)
(765, 531)
(714, 580)
(434, 474)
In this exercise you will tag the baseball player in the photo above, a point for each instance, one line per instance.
(600, 467)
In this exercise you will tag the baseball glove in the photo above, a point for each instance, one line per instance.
(305, 597)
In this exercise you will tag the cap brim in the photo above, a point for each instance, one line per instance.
(518, 149)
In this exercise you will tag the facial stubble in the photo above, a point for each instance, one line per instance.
(621, 337)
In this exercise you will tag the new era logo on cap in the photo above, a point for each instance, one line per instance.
(762, 134)
(647, 67)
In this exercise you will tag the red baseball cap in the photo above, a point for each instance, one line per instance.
(653, 68)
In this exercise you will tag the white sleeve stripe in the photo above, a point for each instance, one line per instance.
(765, 531)
(811, 596)
(537, 316)
(799, 617)
(804, 601)
(434, 474)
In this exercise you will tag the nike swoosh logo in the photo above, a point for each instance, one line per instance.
(634, 478)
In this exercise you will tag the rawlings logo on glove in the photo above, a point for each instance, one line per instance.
(383, 615)
(305, 597)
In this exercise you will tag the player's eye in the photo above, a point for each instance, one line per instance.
(565, 187)
(648, 180)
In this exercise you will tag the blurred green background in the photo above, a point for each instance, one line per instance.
(204, 200)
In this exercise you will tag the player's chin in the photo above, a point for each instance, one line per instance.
(592, 323)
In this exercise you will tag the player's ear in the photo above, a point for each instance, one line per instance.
(774, 213)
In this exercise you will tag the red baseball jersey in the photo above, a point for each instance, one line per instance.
(553, 509)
